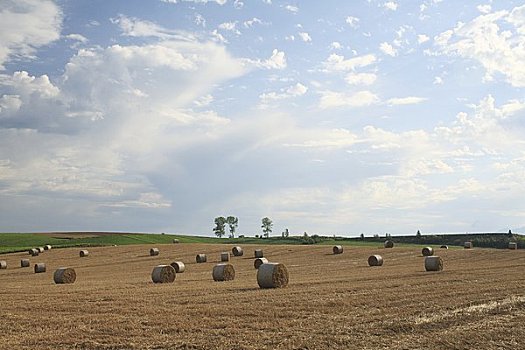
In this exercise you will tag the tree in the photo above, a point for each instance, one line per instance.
(233, 222)
(418, 234)
(285, 233)
(220, 224)
(267, 225)
(362, 236)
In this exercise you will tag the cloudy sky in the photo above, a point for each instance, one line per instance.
(331, 117)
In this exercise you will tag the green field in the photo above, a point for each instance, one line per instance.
(15, 242)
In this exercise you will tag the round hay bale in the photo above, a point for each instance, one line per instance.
(201, 258)
(468, 245)
(223, 272)
(154, 251)
(433, 263)
(65, 275)
(34, 252)
(3, 265)
(178, 266)
(272, 275)
(375, 260)
(259, 261)
(225, 257)
(258, 253)
(47, 247)
(427, 251)
(444, 247)
(513, 245)
(40, 249)
(389, 244)
(40, 267)
(237, 251)
(175, 240)
(25, 263)
(163, 274)
(83, 253)
(337, 249)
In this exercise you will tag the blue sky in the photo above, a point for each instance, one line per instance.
(328, 117)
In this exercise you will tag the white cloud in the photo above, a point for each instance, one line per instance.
(291, 8)
(305, 36)
(332, 99)
(230, 26)
(27, 25)
(406, 100)
(250, 23)
(504, 55)
(352, 22)
(337, 63)
(336, 45)
(135, 27)
(9, 104)
(77, 37)
(484, 8)
(438, 81)
(390, 5)
(422, 38)
(290, 92)
(276, 61)
(360, 78)
(388, 49)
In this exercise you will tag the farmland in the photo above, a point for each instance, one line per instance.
(332, 301)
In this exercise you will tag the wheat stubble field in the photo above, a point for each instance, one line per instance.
(332, 301)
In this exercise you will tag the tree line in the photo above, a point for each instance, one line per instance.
(233, 222)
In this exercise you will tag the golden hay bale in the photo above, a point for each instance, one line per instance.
(272, 275)
(375, 260)
(84, 253)
(427, 251)
(225, 257)
(40, 249)
(34, 252)
(337, 249)
(178, 266)
(175, 240)
(163, 274)
(47, 247)
(259, 261)
(513, 245)
(65, 275)
(389, 244)
(468, 245)
(444, 247)
(201, 258)
(154, 251)
(223, 272)
(258, 253)
(237, 251)
(3, 265)
(40, 267)
(25, 263)
(433, 263)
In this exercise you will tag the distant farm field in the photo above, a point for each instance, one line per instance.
(332, 301)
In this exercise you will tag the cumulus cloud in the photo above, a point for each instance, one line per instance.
(388, 49)
(352, 21)
(390, 5)
(505, 53)
(333, 99)
(276, 61)
(27, 25)
(338, 63)
(305, 36)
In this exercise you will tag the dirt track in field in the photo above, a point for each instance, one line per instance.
(332, 301)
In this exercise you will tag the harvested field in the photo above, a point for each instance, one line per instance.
(476, 302)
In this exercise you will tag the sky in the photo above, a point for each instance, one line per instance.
(329, 117)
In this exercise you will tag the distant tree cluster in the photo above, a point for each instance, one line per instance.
(220, 225)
